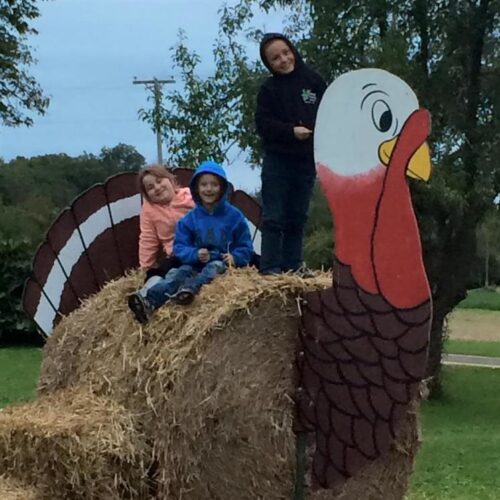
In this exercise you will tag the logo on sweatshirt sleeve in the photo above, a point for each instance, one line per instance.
(308, 96)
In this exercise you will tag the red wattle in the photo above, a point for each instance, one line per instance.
(397, 251)
(353, 200)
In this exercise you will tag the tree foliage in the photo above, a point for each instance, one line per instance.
(20, 93)
(488, 245)
(212, 116)
(318, 247)
(34, 190)
(122, 158)
(15, 262)
(447, 51)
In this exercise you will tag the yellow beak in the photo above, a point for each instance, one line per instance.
(419, 166)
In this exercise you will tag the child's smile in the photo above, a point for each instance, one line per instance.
(280, 57)
(159, 189)
(209, 189)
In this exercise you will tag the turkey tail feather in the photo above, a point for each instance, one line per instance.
(90, 243)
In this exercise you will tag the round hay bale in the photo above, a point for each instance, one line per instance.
(211, 386)
(73, 444)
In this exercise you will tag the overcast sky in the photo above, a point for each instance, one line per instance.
(89, 52)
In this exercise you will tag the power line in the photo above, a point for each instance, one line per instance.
(155, 86)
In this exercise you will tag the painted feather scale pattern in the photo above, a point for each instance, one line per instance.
(359, 364)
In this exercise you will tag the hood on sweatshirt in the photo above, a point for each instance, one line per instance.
(268, 37)
(208, 167)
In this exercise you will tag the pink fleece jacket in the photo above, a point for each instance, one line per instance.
(158, 226)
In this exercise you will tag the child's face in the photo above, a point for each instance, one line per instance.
(158, 189)
(209, 189)
(280, 57)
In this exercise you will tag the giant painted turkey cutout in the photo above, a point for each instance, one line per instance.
(94, 241)
(363, 342)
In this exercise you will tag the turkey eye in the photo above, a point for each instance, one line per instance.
(381, 116)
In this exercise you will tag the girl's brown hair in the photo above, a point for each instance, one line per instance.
(155, 171)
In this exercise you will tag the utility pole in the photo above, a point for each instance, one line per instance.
(155, 86)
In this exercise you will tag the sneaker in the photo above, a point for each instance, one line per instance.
(274, 271)
(304, 272)
(184, 296)
(140, 307)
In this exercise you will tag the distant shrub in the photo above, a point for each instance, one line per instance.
(482, 298)
(15, 263)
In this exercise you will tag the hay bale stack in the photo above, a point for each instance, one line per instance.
(11, 489)
(72, 444)
(212, 383)
(101, 346)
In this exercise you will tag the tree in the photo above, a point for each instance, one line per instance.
(448, 52)
(435, 47)
(122, 158)
(318, 247)
(19, 91)
(15, 260)
(212, 117)
(34, 190)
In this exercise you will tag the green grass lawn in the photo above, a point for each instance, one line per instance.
(481, 298)
(19, 369)
(459, 459)
(473, 347)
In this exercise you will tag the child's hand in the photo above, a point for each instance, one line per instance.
(203, 255)
(302, 133)
(228, 259)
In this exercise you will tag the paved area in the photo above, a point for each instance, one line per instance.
(464, 359)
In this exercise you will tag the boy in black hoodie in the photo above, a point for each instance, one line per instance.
(286, 111)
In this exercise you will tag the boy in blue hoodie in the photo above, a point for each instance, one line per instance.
(210, 238)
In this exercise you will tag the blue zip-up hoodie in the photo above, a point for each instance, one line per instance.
(222, 230)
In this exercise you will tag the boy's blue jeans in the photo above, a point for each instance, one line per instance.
(182, 277)
(287, 186)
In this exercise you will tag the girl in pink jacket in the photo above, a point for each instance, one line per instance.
(164, 203)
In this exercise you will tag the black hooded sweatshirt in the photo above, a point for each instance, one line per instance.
(287, 101)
